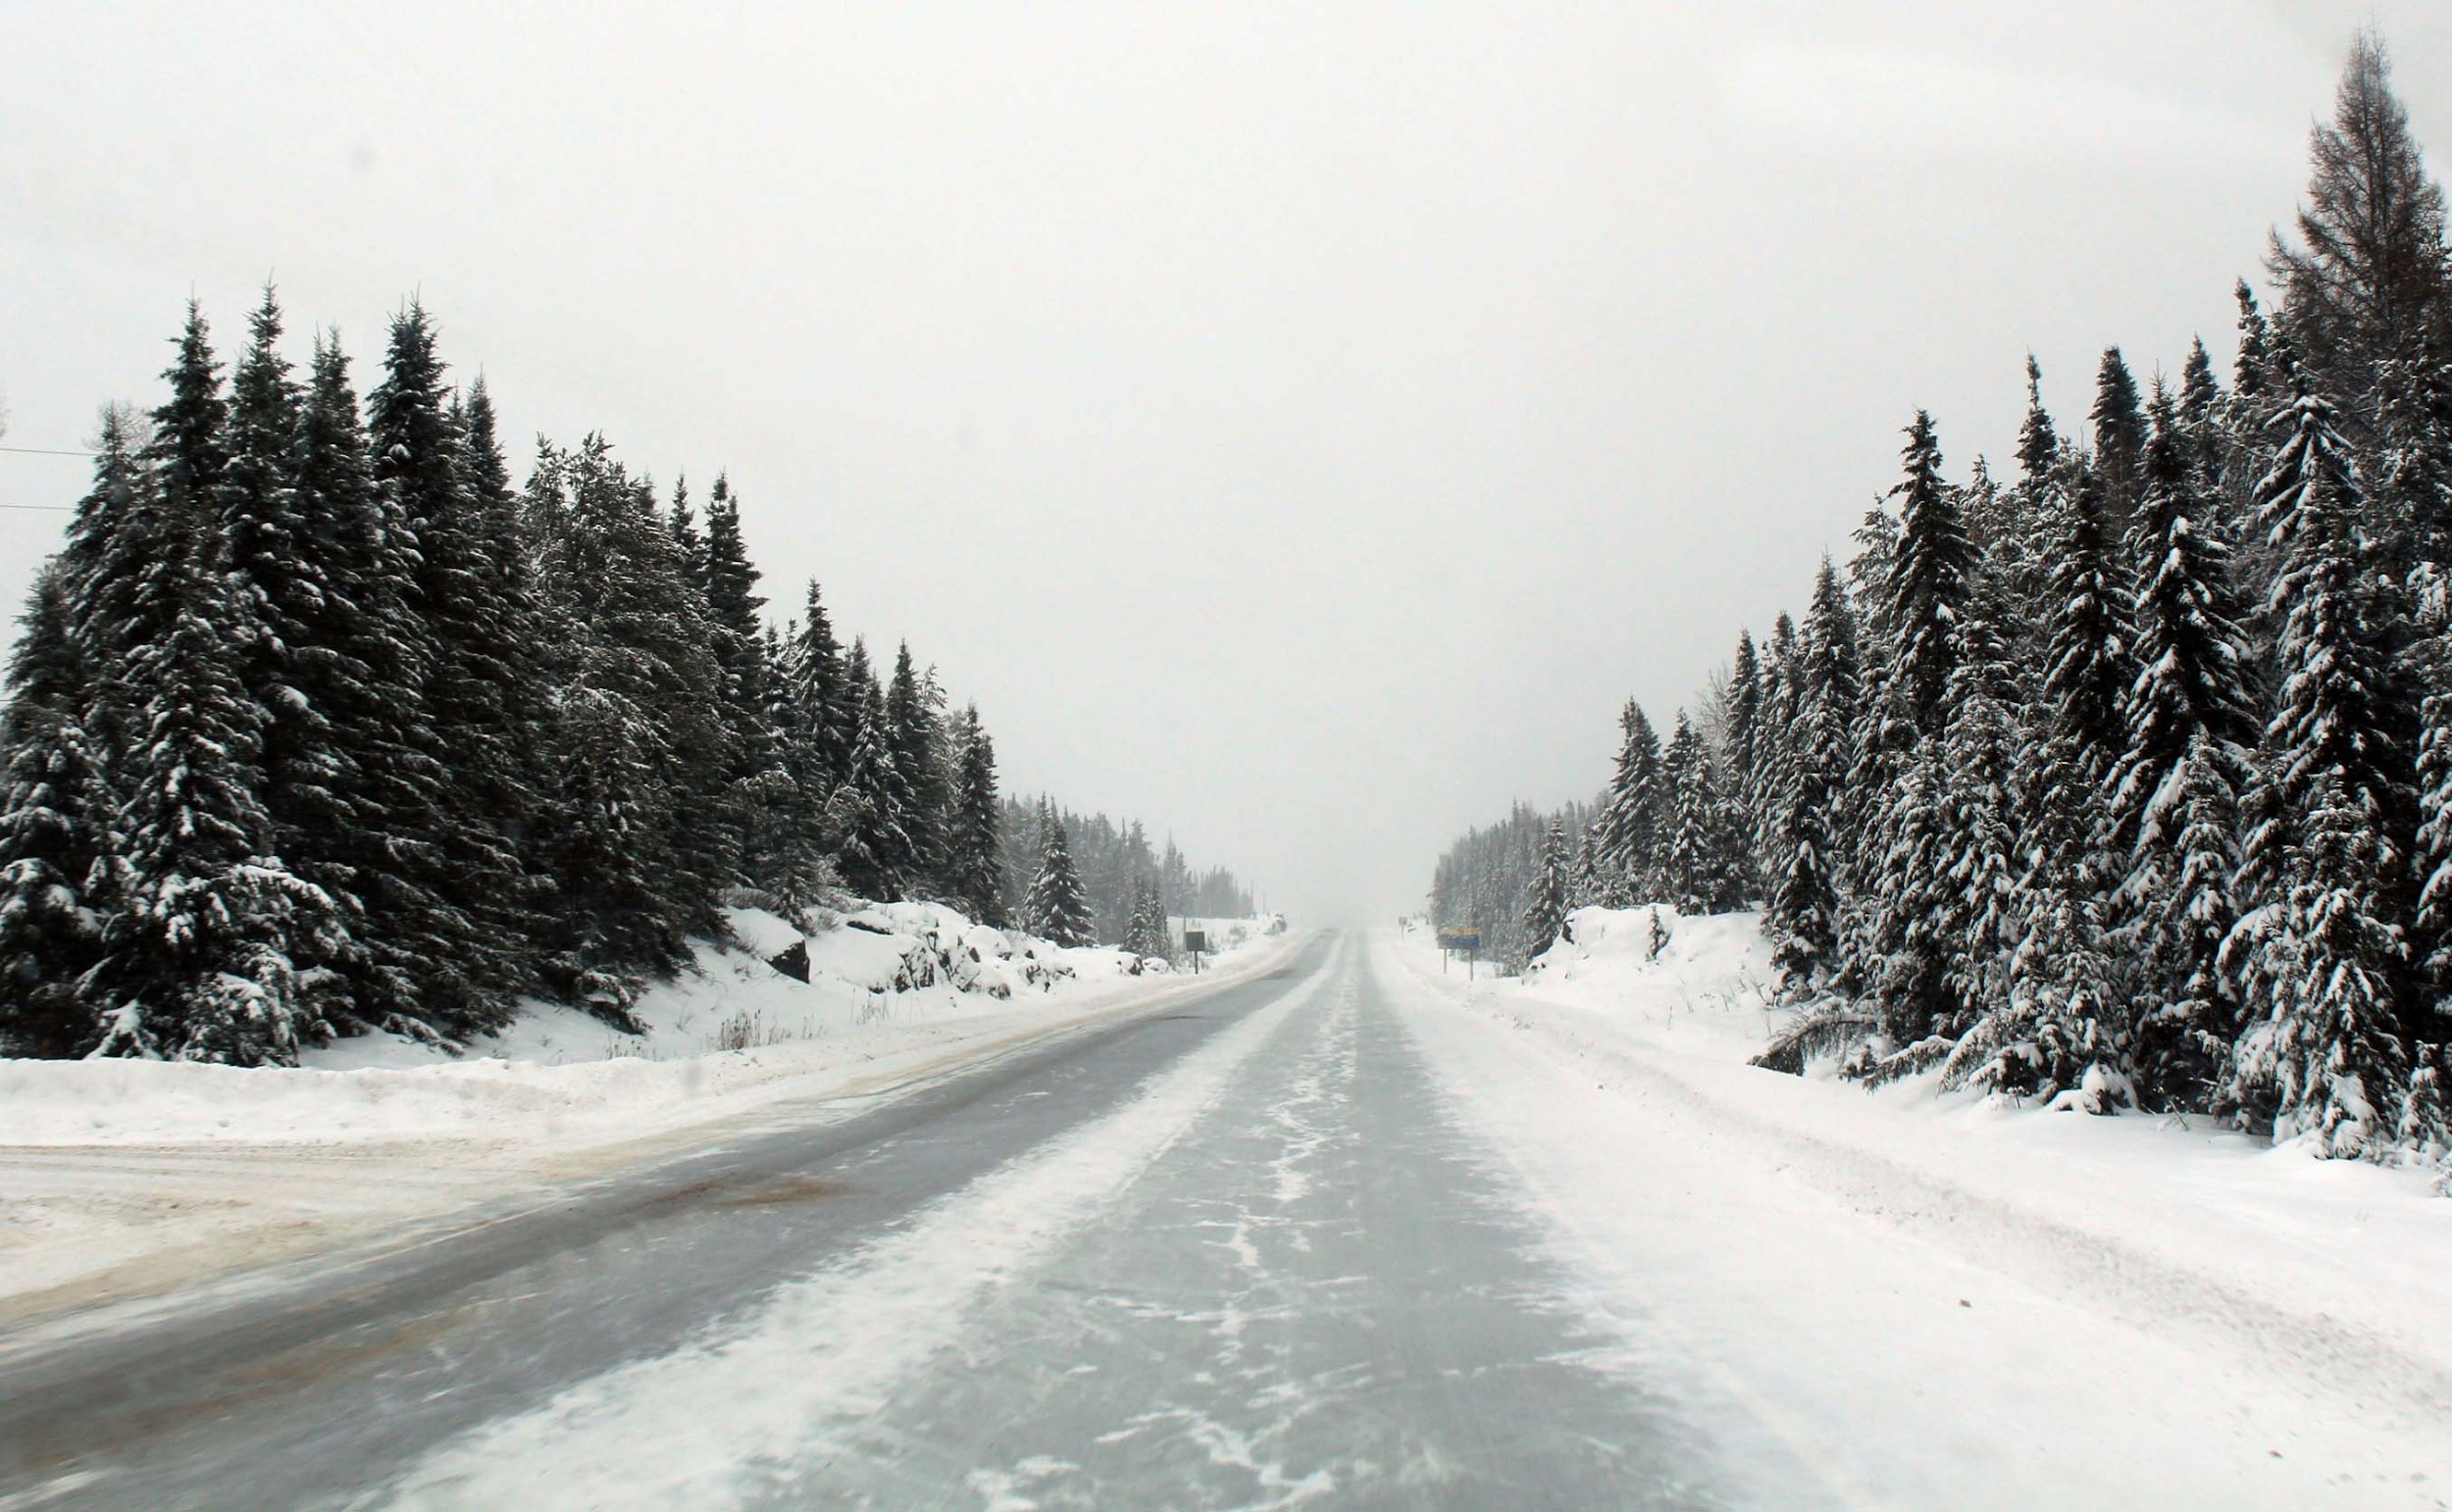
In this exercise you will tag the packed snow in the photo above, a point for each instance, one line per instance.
(1934, 1298)
(678, 1430)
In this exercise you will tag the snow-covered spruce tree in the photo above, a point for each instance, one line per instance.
(2206, 437)
(199, 951)
(56, 844)
(2120, 442)
(2062, 1029)
(2173, 814)
(1803, 918)
(1742, 740)
(1545, 911)
(1922, 569)
(1700, 870)
(1969, 864)
(1929, 579)
(914, 732)
(1145, 931)
(688, 538)
(974, 880)
(812, 713)
(483, 695)
(301, 561)
(2051, 1025)
(1775, 755)
(2322, 945)
(2414, 465)
(894, 789)
(1583, 882)
(759, 787)
(1633, 821)
(824, 697)
(637, 734)
(1058, 909)
(1907, 907)
(868, 806)
(360, 820)
(2005, 534)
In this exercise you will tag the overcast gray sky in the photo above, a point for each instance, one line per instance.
(1297, 425)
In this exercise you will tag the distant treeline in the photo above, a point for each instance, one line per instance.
(1115, 861)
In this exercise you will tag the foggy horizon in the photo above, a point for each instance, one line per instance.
(1279, 450)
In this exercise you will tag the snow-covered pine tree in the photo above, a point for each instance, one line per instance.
(1803, 918)
(974, 879)
(1906, 945)
(482, 695)
(2323, 943)
(1973, 865)
(2174, 797)
(1774, 753)
(1633, 816)
(359, 655)
(1918, 573)
(639, 740)
(1583, 886)
(688, 538)
(1058, 909)
(825, 694)
(56, 844)
(867, 809)
(293, 594)
(1929, 576)
(761, 789)
(2414, 466)
(1545, 909)
(1699, 869)
(1146, 931)
(2066, 1008)
(199, 951)
(2202, 405)
(914, 733)
(2120, 442)
(2038, 440)
(2035, 973)
(1743, 741)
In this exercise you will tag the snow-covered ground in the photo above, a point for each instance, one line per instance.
(128, 1178)
(1947, 1302)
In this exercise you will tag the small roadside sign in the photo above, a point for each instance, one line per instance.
(1195, 940)
(1465, 937)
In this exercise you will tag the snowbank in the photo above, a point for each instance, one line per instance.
(732, 1022)
(123, 1178)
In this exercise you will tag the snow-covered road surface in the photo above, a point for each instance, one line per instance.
(1344, 1237)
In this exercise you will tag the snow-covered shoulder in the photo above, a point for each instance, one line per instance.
(1665, 1012)
(774, 999)
(129, 1176)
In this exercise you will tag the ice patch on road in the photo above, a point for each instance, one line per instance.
(742, 1416)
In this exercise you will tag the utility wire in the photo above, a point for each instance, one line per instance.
(56, 509)
(44, 451)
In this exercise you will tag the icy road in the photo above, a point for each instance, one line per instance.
(1293, 1241)
(1230, 1255)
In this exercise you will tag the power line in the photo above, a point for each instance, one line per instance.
(44, 451)
(56, 509)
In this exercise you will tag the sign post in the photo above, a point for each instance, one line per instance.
(1466, 938)
(1195, 941)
